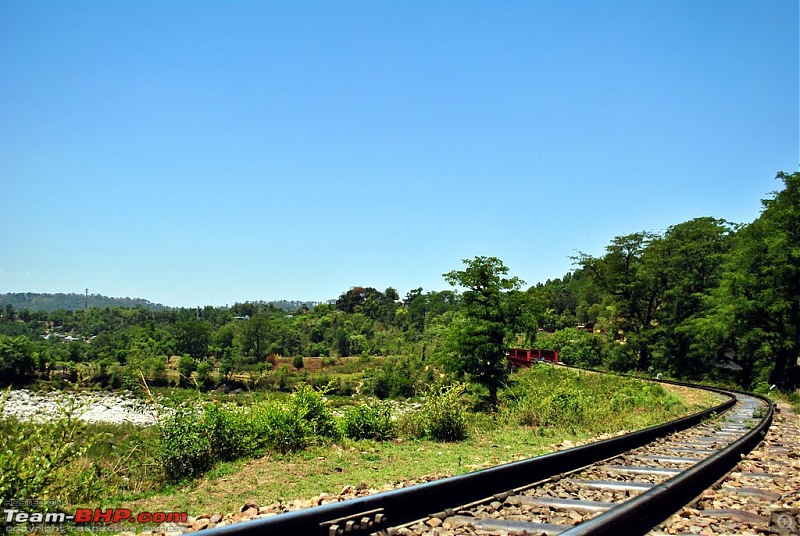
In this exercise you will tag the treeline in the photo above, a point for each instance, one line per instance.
(115, 346)
(705, 299)
(35, 301)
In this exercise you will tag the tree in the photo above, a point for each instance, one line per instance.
(391, 294)
(479, 340)
(186, 365)
(634, 282)
(193, 337)
(254, 337)
(373, 303)
(690, 258)
(16, 358)
(204, 379)
(756, 310)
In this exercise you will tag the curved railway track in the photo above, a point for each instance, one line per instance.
(624, 485)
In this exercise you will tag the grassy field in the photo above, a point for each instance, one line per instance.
(587, 405)
(542, 409)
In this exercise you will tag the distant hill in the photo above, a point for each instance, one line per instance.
(34, 301)
(71, 302)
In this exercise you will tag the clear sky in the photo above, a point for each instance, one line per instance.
(207, 153)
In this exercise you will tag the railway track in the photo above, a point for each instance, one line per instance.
(624, 485)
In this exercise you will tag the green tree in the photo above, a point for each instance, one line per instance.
(193, 337)
(186, 365)
(479, 348)
(204, 379)
(16, 358)
(634, 284)
(342, 342)
(756, 310)
(254, 337)
(690, 258)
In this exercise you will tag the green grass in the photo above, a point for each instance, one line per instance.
(540, 408)
(330, 467)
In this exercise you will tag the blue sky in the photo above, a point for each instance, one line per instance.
(204, 153)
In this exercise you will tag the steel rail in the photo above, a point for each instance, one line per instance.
(639, 515)
(371, 513)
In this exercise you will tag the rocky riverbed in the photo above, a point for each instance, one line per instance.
(90, 407)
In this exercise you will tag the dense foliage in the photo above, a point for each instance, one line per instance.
(704, 299)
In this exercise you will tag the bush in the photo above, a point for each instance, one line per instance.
(311, 405)
(204, 380)
(184, 449)
(193, 439)
(297, 362)
(441, 418)
(411, 424)
(373, 421)
(46, 461)
(395, 379)
(186, 365)
(280, 428)
(565, 408)
(228, 433)
(444, 415)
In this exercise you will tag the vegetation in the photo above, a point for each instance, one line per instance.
(479, 338)
(704, 300)
(368, 421)
(275, 452)
(48, 460)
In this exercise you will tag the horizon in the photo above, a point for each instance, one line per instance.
(83, 295)
(210, 154)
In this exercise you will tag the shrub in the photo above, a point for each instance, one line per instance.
(527, 412)
(311, 405)
(228, 433)
(297, 362)
(280, 428)
(186, 365)
(396, 378)
(283, 378)
(45, 460)
(204, 380)
(368, 421)
(445, 418)
(184, 448)
(411, 424)
(565, 408)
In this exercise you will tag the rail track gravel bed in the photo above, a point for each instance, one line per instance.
(555, 507)
(760, 496)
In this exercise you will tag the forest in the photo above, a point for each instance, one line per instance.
(705, 299)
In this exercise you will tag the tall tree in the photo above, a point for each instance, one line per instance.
(690, 260)
(193, 337)
(254, 337)
(634, 282)
(479, 340)
(757, 308)
(16, 358)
